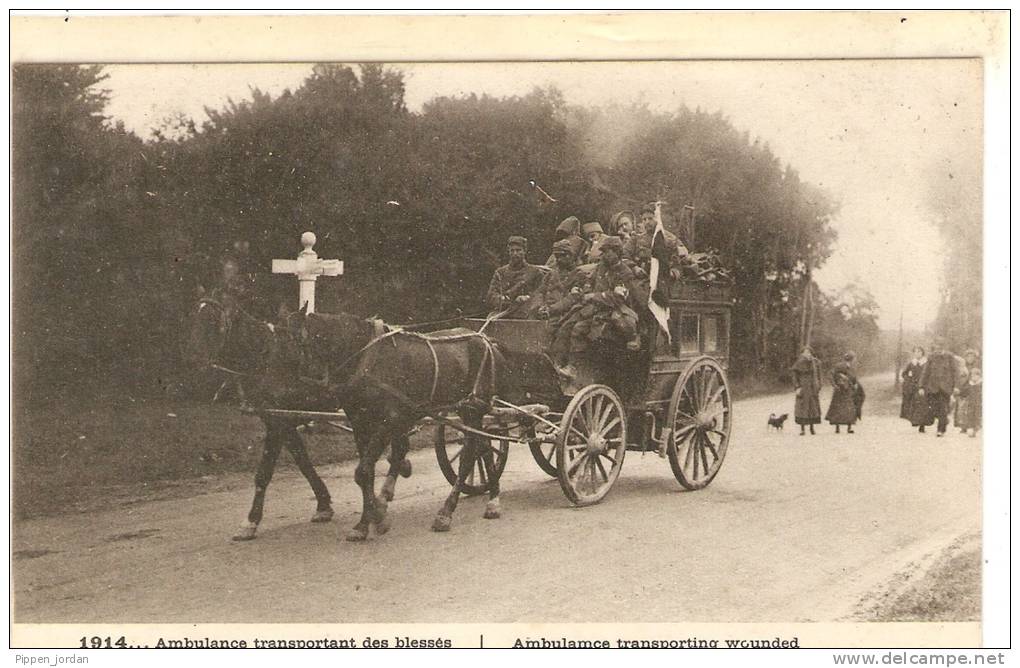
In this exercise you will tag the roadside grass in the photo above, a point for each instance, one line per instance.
(83, 455)
(949, 591)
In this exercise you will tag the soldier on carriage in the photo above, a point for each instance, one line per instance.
(561, 289)
(638, 249)
(570, 230)
(513, 284)
(606, 310)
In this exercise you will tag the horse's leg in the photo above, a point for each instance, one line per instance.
(395, 430)
(296, 447)
(467, 462)
(364, 475)
(398, 465)
(492, 509)
(275, 437)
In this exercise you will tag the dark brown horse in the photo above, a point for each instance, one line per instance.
(386, 381)
(226, 337)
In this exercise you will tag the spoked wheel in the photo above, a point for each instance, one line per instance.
(591, 444)
(545, 451)
(700, 416)
(449, 446)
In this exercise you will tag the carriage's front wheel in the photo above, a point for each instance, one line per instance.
(449, 446)
(544, 452)
(700, 418)
(591, 444)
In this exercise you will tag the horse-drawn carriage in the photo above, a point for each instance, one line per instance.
(486, 385)
(672, 397)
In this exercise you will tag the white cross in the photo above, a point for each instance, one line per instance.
(308, 267)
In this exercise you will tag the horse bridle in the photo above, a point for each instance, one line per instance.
(226, 324)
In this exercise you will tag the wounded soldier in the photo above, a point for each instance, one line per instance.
(605, 312)
(561, 288)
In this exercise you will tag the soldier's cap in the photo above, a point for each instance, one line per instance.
(569, 225)
(517, 241)
(611, 243)
(588, 228)
(563, 246)
(648, 208)
(614, 222)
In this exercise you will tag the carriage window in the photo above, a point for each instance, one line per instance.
(689, 334)
(710, 330)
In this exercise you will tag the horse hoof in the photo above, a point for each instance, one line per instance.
(357, 535)
(382, 523)
(441, 524)
(492, 511)
(246, 532)
(322, 516)
(405, 469)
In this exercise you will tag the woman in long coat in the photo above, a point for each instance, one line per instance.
(844, 409)
(970, 408)
(970, 360)
(807, 378)
(915, 407)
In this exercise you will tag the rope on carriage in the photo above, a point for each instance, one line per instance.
(431, 323)
(491, 317)
(429, 339)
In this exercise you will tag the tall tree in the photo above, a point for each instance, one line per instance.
(79, 227)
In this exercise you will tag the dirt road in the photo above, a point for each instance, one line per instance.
(793, 529)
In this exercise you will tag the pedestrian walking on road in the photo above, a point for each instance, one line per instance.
(938, 382)
(844, 408)
(807, 378)
(915, 406)
(969, 418)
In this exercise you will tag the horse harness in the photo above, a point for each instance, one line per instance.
(383, 332)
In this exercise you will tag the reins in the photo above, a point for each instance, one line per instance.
(215, 365)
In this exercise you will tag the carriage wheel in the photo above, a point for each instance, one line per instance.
(449, 444)
(544, 452)
(591, 444)
(700, 417)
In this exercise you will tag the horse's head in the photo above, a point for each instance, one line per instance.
(209, 324)
(282, 380)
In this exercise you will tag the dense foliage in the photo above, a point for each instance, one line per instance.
(954, 198)
(112, 233)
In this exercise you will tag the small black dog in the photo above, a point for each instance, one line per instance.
(776, 422)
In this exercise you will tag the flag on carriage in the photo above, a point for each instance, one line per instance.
(658, 275)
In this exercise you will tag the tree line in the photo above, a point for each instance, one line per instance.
(113, 233)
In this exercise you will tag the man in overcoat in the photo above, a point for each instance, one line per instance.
(561, 288)
(638, 248)
(514, 283)
(938, 381)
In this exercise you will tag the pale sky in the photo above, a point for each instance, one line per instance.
(871, 133)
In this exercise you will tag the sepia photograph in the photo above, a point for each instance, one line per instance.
(349, 342)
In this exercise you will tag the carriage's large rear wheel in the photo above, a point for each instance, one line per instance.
(700, 418)
(449, 446)
(591, 444)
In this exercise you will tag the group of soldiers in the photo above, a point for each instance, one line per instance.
(591, 289)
